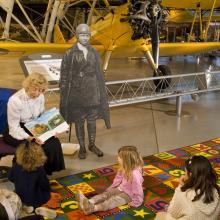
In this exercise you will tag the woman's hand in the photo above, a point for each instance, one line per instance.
(38, 141)
(56, 134)
(30, 138)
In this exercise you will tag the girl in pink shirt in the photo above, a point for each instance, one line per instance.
(125, 189)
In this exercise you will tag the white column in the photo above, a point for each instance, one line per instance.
(52, 21)
(60, 12)
(9, 4)
(44, 28)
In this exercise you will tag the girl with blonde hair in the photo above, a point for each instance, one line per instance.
(125, 189)
(24, 106)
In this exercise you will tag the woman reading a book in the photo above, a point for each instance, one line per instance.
(24, 106)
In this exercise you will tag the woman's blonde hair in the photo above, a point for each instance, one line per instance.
(30, 156)
(35, 80)
(131, 159)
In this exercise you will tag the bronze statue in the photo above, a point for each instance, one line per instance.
(82, 89)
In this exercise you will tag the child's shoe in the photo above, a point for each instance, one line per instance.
(78, 196)
(87, 207)
(84, 203)
(28, 209)
(45, 212)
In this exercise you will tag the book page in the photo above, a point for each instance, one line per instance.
(47, 125)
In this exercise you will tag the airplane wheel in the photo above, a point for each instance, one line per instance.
(195, 97)
(162, 83)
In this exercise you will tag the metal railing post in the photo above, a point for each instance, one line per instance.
(178, 106)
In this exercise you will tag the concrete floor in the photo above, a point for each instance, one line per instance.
(147, 125)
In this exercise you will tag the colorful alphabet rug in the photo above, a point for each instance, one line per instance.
(161, 174)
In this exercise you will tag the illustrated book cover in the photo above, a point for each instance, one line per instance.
(47, 125)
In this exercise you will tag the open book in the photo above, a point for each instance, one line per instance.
(47, 125)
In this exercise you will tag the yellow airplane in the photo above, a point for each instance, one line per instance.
(131, 29)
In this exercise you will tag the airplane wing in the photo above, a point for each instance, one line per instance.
(137, 49)
(171, 49)
(190, 4)
(22, 49)
(166, 49)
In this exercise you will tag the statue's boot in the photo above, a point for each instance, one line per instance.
(82, 150)
(80, 134)
(92, 147)
(91, 127)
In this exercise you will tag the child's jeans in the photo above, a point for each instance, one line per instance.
(110, 199)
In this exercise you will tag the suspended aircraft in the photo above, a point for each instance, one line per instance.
(131, 29)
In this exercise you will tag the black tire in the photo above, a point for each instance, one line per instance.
(162, 83)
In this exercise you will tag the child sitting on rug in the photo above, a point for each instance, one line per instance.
(197, 196)
(29, 176)
(126, 187)
(11, 208)
(11, 205)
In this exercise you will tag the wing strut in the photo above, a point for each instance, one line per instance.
(107, 57)
(210, 16)
(155, 33)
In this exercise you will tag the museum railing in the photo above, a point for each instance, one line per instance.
(132, 91)
(124, 92)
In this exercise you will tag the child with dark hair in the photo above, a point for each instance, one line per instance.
(30, 179)
(197, 196)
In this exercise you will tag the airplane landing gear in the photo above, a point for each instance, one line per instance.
(161, 84)
(147, 18)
